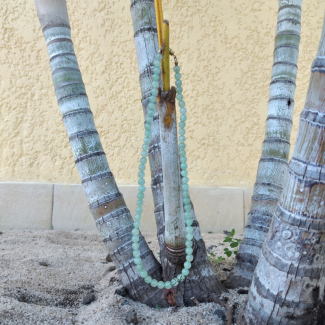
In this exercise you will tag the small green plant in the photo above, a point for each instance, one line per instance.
(215, 259)
(234, 243)
(157, 307)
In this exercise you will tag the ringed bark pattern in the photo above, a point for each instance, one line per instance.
(106, 203)
(273, 165)
(146, 45)
(289, 281)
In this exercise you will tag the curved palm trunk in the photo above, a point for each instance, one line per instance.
(289, 281)
(106, 203)
(202, 280)
(273, 166)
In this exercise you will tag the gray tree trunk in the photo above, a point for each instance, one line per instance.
(273, 166)
(106, 203)
(202, 280)
(289, 281)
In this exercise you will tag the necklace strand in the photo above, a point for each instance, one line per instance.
(185, 194)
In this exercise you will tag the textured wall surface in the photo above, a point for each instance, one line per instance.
(225, 50)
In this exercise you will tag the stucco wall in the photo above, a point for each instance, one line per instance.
(225, 51)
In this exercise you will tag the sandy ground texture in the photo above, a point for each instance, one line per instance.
(58, 277)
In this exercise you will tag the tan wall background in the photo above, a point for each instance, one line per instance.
(225, 51)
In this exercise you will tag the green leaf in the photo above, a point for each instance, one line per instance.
(228, 253)
(227, 240)
(220, 258)
(212, 254)
(232, 233)
(235, 252)
(226, 249)
(233, 245)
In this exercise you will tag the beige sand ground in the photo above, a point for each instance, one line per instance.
(45, 275)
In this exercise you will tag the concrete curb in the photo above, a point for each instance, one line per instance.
(44, 206)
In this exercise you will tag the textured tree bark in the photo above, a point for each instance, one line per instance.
(202, 280)
(273, 166)
(106, 203)
(289, 281)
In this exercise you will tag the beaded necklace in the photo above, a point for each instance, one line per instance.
(185, 194)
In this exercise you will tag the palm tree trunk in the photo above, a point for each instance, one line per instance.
(106, 203)
(202, 280)
(273, 166)
(289, 281)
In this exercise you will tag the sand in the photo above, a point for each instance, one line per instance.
(45, 277)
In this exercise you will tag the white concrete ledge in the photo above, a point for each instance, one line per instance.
(27, 206)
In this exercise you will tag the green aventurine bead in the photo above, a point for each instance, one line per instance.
(155, 84)
(187, 265)
(183, 110)
(182, 146)
(155, 77)
(180, 277)
(136, 224)
(183, 118)
(151, 106)
(159, 56)
(174, 282)
(137, 217)
(135, 239)
(139, 210)
(140, 267)
(141, 188)
(184, 173)
(178, 83)
(184, 179)
(182, 125)
(144, 153)
(137, 261)
(183, 166)
(184, 186)
(182, 153)
(186, 200)
(189, 237)
(178, 76)
(161, 284)
(181, 104)
(177, 69)
(182, 132)
(140, 202)
(148, 279)
(141, 181)
(147, 127)
(143, 274)
(185, 194)
(154, 92)
(182, 138)
(189, 222)
(136, 253)
(185, 272)
(189, 258)
(183, 159)
(140, 195)
(156, 70)
(135, 231)
(179, 97)
(189, 229)
(168, 284)
(135, 246)
(179, 90)
(157, 63)
(189, 250)
(154, 283)
(151, 113)
(188, 214)
(188, 243)
(153, 99)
